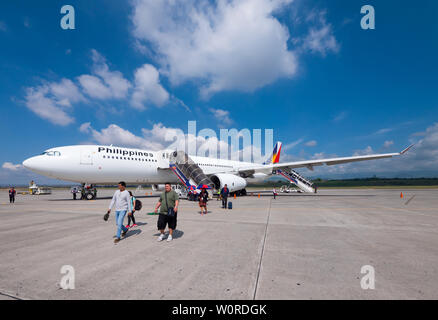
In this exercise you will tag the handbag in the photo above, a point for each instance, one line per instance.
(170, 211)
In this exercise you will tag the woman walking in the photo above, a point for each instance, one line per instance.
(131, 216)
(203, 198)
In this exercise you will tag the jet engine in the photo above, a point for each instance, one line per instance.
(234, 183)
(158, 187)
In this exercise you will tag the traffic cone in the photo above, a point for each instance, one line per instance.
(235, 196)
(259, 195)
(401, 195)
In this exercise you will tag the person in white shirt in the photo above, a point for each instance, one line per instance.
(122, 202)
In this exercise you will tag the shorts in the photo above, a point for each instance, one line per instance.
(164, 219)
(202, 203)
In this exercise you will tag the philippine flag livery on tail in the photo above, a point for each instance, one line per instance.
(275, 157)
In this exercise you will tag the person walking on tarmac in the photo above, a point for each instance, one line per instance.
(131, 216)
(224, 195)
(122, 202)
(12, 193)
(203, 198)
(168, 205)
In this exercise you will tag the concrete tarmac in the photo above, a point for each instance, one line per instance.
(295, 247)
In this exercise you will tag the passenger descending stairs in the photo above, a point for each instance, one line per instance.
(187, 171)
(298, 180)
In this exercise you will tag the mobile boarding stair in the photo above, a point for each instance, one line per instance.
(298, 180)
(187, 171)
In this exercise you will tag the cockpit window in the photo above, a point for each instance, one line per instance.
(51, 153)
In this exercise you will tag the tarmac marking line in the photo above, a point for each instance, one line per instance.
(9, 295)
(263, 250)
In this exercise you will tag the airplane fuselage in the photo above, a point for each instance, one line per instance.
(108, 165)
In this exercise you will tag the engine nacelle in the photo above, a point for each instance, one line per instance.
(234, 183)
(158, 187)
(161, 187)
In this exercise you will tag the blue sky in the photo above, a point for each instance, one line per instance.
(132, 70)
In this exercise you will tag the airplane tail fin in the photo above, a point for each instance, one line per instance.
(275, 156)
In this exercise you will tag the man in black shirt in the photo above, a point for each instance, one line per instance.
(224, 194)
(12, 193)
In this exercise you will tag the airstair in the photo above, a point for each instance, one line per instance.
(187, 171)
(298, 180)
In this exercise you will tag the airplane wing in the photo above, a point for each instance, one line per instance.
(313, 163)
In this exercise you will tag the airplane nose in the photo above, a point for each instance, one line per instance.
(33, 164)
(27, 163)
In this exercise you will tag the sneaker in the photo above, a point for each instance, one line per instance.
(169, 238)
(128, 226)
(160, 238)
(134, 225)
(116, 240)
(124, 233)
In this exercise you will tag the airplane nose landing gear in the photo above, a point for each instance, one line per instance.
(88, 192)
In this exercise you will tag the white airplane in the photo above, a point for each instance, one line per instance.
(107, 165)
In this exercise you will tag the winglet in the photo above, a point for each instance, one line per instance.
(407, 149)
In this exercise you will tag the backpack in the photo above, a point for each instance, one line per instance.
(230, 205)
(138, 205)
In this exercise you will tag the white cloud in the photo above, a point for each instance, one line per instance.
(51, 100)
(320, 38)
(226, 45)
(388, 143)
(66, 92)
(11, 166)
(222, 116)
(114, 134)
(292, 144)
(383, 131)
(148, 88)
(85, 127)
(367, 151)
(104, 84)
(311, 143)
(94, 87)
(160, 137)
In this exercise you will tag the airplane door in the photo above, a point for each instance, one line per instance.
(86, 157)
